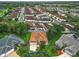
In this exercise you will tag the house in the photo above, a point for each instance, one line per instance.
(7, 44)
(69, 43)
(36, 39)
(65, 39)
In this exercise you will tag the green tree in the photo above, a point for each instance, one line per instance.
(3, 28)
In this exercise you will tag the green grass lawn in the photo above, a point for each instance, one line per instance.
(1, 13)
(51, 46)
(28, 35)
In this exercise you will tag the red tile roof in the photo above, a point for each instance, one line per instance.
(39, 36)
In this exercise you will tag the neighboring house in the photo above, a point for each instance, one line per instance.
(70, 26)
(7, 44)
(36, 39)
(70, 42)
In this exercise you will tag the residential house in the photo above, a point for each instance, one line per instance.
(36, 39)
(69, 43)
(7, 44)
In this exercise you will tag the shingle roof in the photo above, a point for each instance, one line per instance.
(72, 50)
(7, 43)
(70, 42)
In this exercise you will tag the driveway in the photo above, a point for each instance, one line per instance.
(13, 54)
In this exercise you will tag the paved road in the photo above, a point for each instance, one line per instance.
(21, 18)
